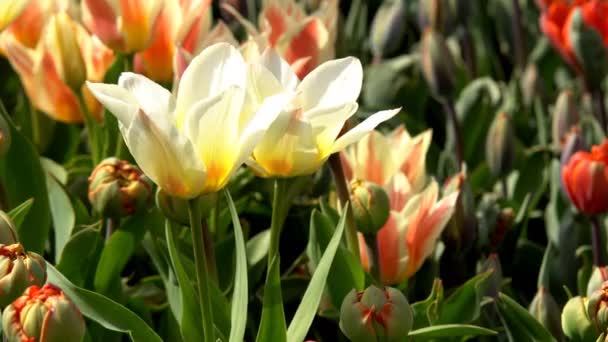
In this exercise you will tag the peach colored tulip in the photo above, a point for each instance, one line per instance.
(409, 236)
(27, 27)
(183, 29)
(417, 216)
(58, 66)
(125, 26)
(10, 10)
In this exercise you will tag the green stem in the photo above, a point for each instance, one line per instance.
(202, 275)
(352, 241)
(373, 257)
(596, 242)
(280, 206)
(92, 130)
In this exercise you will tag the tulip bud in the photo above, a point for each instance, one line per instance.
(531, 84)
(545, 309)
(118, 189)
(174, 208)
(441, 15)
(597, 307)
(575, 322)
(376, 314)
(18, 270)
(573, 142)
(63, 44)
(5, 136)
(438, 65)
(588, 47)
(500, 145)
(596, 279)
(565, 116)
(43, 314)
(370, 205)
(8, 234)
(388, 28)
(494, 283)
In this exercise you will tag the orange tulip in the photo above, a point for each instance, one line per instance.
(556, 19)
(123, 25)
(417, 216)
(183, 30)
(585, 178)
(9, 10)
(27, 27)
(58, 66)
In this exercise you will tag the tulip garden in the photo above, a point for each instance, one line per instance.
(301, 170)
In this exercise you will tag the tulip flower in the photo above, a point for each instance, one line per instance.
(125, 26)
(43, 314)
(53, 73)
(417, 217)
(559, 21)
(183, 29)
(118, 189)
(585, 177)
(304, 41)
(191, 143)
(18, 270)
(306, 132)
(10, 10)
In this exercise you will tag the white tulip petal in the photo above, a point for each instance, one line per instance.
(280, 69)
(257, 127)
(363, 128)
(117, 100)
(214, 70)
(168, 159)
(331, 84)
(328, 122)
(157, 102)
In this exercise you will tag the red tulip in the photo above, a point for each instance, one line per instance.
(585, 177)
(556, 21)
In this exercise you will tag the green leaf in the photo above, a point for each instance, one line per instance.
(189, 317)
(307, 309)
(238, 317)
(79, 253)
(346, 272)
(102, 310)
(463, 305)
(450, 331)
(23, 178)
(519, 324)
(62, 213)
(427, 311)
(19, 213)
(119, 248)
(272, 325)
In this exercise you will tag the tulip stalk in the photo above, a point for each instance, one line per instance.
(596, 243)
(518, 35)
(202, 272)
(352, 242)
(597, 96)
(448, 106)
(371, 241)
(92, 129)
(280, 207)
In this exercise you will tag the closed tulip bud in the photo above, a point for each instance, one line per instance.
(62, 41)
(5, 136)
(576, 324)
(500, 145)
(531, 84)
(494, 283)
(438, 65)
(573, 142)
(588, 48)
(597, 307)
(388, 28)
(376, 314)
(545, 309)
(44, 315)
(174, 208)
(370, 205)
(8, 234)
(118, 189)
(18, 270)
(565, 115)
(585, 178)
